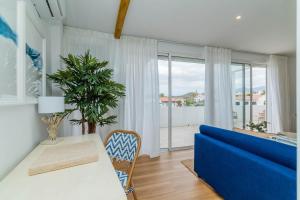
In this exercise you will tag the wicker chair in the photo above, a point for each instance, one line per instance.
(123, 147)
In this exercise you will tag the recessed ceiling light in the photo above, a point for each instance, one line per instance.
(238, 17)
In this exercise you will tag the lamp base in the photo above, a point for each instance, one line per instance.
(53, 124)
(51, 142)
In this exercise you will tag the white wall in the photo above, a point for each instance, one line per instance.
(20, 131)
(20, 126)
(292, 83)
(55, 36)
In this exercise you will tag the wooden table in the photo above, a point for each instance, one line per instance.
(93, 181)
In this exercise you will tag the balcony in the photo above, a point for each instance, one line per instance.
(187, 119)
(185, 123)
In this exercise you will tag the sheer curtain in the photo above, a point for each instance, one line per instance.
(278, 106)
(139, 73)
(218, 98)
(134, 61)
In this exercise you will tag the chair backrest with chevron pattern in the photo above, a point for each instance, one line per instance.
(123, 147)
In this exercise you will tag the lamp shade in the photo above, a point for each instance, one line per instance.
(51, 104)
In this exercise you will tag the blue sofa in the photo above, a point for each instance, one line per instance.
(242, 167)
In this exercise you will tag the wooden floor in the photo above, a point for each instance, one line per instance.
(165, 178)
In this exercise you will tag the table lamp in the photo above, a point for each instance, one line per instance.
(54, 107)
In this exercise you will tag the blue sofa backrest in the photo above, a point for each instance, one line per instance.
(271, 150)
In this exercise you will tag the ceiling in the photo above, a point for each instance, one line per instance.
(266, 26)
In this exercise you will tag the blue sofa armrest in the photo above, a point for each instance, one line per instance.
(238, 174)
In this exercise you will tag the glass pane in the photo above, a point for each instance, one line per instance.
(247, 95)
(163, 89)
(237, 95)
(34, 62)
(259, 94)
(188, 80)
(8, 50)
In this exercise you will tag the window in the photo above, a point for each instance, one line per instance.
(259, 89)
(181, 82)
(249, 94)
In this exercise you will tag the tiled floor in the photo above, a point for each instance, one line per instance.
(181, 136)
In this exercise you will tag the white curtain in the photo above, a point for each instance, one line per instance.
(278, 97)
(139, 73)
(134, 61)
(218, 98)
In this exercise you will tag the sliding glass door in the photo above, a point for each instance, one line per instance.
(181, 100)
(238, 96)
(259, 104)
(163, 70)
(248, 94)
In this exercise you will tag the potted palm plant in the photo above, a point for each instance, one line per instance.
(88, 86)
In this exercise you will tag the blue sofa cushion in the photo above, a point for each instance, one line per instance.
(271, 150)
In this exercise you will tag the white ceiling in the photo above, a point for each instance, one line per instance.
(267, 26)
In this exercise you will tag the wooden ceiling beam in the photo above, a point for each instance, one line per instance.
(124, 4)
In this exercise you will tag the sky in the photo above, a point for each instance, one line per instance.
(190, 77)
(258, 74)
(186, 77)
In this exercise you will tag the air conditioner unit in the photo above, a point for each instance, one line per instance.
(50, 9)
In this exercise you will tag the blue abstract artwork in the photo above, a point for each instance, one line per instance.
(8, 33)
(35, 56)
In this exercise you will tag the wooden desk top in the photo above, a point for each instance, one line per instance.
(93, 181)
